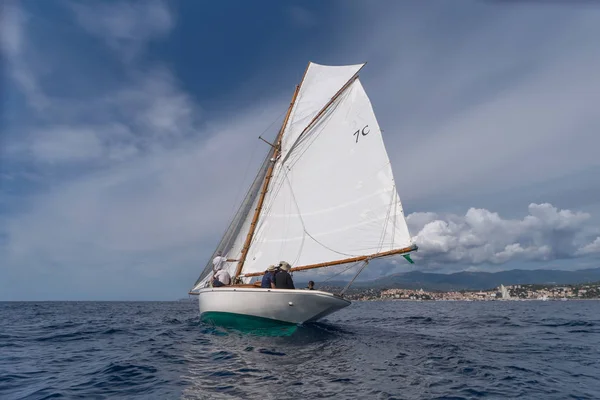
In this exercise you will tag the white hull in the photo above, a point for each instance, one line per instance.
(284, 305)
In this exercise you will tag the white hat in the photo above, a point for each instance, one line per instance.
(285, 266)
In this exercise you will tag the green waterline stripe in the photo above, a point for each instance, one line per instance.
(249, 324)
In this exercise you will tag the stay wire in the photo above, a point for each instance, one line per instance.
(242, 183)
(342, 271)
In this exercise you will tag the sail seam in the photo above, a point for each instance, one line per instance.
(304, 225)
(385, 225)
(395, 205)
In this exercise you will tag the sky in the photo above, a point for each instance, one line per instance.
(129, 132)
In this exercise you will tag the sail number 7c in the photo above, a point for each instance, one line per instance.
(364, 131)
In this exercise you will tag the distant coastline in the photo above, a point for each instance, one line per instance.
(584, 291)
(472, 281)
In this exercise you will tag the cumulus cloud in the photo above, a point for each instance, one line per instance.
(481, 236)
(591, 248)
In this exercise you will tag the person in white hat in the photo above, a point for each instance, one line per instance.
(283, 279)
(220, 260)
(268, 280)
(221, 276)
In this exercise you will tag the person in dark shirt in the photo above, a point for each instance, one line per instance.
(311, 285)
(283, 279)
(268, 280)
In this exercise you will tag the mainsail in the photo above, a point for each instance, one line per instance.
(332, 195)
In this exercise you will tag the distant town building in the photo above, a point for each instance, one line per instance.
(511, 292)
(505, 295)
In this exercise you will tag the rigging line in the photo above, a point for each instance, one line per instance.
(324, 110)
(329, 248)
(306, 137)
(250, 194)
(354, 264)
(286, 225)
(223, 245)
(277, 183)
(366, 262)
(303, 146)
(267, 207)
(300, 248)
(292, 203)
(385, 225)
(395, 222)
(242, 183)
(304, 226)
(252, 157)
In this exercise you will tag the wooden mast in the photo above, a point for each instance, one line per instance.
(346, 260)
(268, 176)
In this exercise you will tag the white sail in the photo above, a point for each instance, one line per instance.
(319, 85)
(332, 195)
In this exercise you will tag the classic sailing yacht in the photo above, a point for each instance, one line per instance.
(324, 196)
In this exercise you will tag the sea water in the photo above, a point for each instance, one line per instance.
(370, 350)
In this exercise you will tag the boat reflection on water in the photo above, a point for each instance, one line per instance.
(249, 360)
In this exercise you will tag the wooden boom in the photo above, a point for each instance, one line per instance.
(346, 260)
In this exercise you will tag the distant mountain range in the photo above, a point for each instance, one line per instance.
(472, 280)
